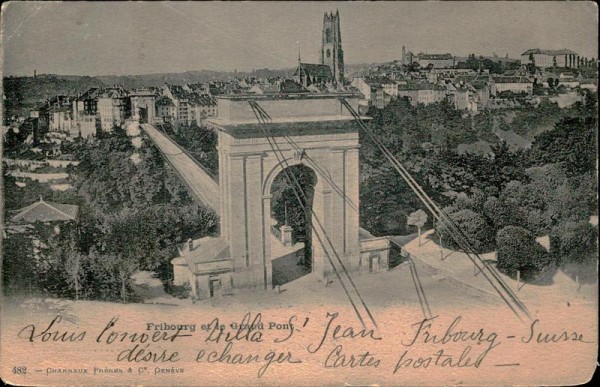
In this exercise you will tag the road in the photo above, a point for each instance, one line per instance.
(198, 181)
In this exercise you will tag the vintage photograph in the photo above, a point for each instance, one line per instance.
(299, 193)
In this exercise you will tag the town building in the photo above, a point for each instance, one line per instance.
(114, 106)
(382, 98)
(54, 115)
(202, 107)
(182, 105)
(166, 111)
(86, 126)
(463, 97)
(435, 61)
(589, 84)
(514, 84)
(86, 104)
(551, 58)
(434, 75)
(60, 119)
(422, 92)
(482, 85)
(308, 74)
(85, 113)
(377, 91)
(284, 86)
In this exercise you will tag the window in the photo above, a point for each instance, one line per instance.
(327, 35)
(328, 53)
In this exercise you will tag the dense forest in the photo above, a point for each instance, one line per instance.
(501, 200)
(133, 212)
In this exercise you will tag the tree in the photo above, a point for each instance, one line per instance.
(574, 241)
(547, 113)
(18, 265)
(73, 269)
(382, 213)
(502, 212)
(102, 277)
(132, 216)
(477, 230)
(285, 206)
(532, 59)
(518, 251)
(572, 144)
(417, 219)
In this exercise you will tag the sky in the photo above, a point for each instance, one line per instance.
(109, 38)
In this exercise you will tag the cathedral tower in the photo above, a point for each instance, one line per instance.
(332, 54)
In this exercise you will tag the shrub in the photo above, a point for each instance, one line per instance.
(178, 291)
(574, 242)
(477, 230)
(519, 251)
(502, 213)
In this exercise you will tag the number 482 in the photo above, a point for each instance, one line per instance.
(22, 370)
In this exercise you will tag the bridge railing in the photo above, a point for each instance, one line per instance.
(276, 232)
(199, 182)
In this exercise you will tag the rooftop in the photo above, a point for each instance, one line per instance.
(205, 249)
(435, 56)
(114, 92)
(315, 70)
(562, 51)
(420, 86)
(42, 211)
(377, 81)
(503, 79)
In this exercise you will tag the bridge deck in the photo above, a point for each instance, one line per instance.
(198, 181)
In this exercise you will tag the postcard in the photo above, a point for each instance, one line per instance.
(299, 193)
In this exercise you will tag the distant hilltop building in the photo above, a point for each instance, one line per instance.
(330, 70)
(551, 58)
(436, 61)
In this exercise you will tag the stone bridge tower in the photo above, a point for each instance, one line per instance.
(313, 130)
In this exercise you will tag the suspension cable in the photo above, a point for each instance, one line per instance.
(443, 218)
(263, 119)
(265, 115)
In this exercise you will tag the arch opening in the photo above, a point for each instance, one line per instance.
(292, 242)
(143, 112)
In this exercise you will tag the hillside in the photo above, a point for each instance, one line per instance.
(23, 93)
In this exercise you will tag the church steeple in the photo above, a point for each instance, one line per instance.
(331, 46)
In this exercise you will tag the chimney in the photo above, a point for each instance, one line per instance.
(190, 244)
